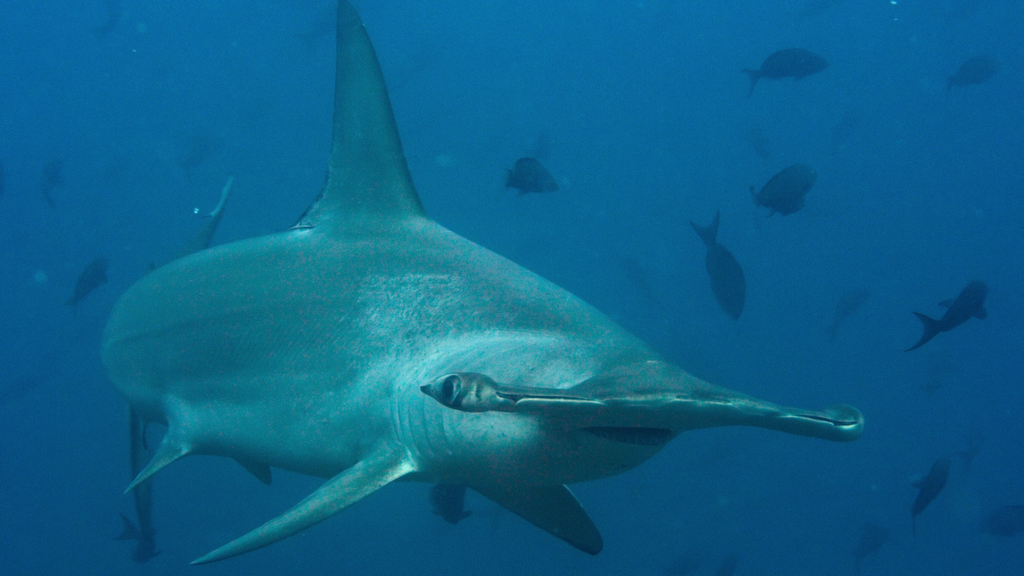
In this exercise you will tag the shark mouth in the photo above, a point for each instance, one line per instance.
(632, 435)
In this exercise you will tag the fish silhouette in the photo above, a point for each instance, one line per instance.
(930, 487)
(795, 63)
(727, 281)
(970, 303)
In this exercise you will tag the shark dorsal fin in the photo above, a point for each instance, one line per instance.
(368, 181)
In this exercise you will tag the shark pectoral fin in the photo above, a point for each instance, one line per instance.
(345, 489)
(550, 508)
(260, 471)
(171, 448)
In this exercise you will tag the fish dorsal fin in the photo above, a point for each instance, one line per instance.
(368, 180)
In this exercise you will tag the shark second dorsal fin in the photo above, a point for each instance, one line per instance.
(368, 181)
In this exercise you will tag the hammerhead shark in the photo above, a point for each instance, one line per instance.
(369, 344)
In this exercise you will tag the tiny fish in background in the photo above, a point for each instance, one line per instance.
(529, 175)
(1005, 521)
(977, 70)
(930, 488)
(847, 306)
(784, 193)
(52, 177)
(795, 63)
(871, 541)
(449, 502)
(94, 276)
(970, 303)
(727, 280)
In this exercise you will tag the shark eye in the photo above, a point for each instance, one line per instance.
(451, 389)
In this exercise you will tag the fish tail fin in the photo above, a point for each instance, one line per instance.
(129, 532)
(931, 328)
(755, 75)
(710, 234)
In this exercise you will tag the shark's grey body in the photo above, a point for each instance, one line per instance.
(307, 350)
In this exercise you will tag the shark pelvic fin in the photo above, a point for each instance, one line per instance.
(171, 448)
(550, 508)
(260, 471)
(345, 489)
(368, 180)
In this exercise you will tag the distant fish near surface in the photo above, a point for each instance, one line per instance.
(529, 175)
(795, 63)
(727, 280)
(970, 303)
(930, 487)
(1006, 521)
(449, 502)
(53, 177)
(847, 306)
(871, 541)
(974, 71)
(785, 192)
(94, 276)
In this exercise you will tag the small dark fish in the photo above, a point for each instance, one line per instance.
(728, 565)
(727, 281)
(449, 501)
(785, 192)
(974, 71)
(687, 563)
(847, 306)
(795, 63)
(94, 276)
(113, 17)
(52, 178)
(145, 541)
(528, 175)
(970, 303)
(871, 541)
(930, 487)
(1005, 521)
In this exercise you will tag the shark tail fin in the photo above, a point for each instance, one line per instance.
(931, 328)
(550, 508)
(755, 75)
(710, 234)
(340, 492)
(129, 532)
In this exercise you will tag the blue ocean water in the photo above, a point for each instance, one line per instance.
(650, 127)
